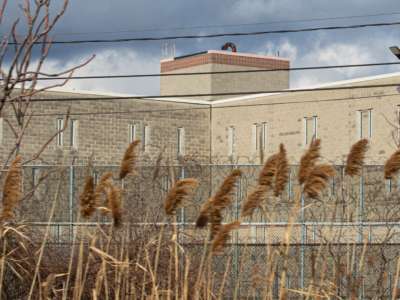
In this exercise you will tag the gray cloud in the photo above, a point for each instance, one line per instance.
(95, 18)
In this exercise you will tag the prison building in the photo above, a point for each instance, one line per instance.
(218, 127)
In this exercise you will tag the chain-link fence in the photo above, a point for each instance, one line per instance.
(359, 216)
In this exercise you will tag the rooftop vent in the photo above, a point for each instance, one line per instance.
(228, 45)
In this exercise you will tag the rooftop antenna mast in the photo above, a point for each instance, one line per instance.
(168, 49)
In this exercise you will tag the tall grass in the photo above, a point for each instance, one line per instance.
(217, 260)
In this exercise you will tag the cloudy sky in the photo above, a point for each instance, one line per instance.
(88, 19)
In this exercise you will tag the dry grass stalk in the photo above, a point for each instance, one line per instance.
(268, 172)
(317, 180)
(129, 159)
(114, 199)
(12, 189)
(87, 198)
(254, 200)
(180, 192)
(158, 165)
(48, 285)
(392, 165)
(282, 171)
(355, 159)
(308, 160)
(223, 236)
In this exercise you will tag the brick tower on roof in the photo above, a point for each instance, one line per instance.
(220, 61)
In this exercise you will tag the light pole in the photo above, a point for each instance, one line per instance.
(395, 50)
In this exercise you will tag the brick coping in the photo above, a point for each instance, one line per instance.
(223, 57)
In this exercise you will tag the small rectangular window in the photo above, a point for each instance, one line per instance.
(389, 185)
(95, 175)
(181, 141)
(365, 124)
(74, 134)
(131, 132)
(310, 129)
(146, 137)
(397, 122)
(254, 138)
(60, 133)
(35, 176)
(264, 132)
(231, 140)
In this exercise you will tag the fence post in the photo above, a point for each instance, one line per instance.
(302, 242)
(182, 219)
(361, 209)
(236, 243)
(71, 200)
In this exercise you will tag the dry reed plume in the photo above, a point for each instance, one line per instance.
(129, 160)
(392, 165)
(205, 208)
(254, 200)
(211, 210)
(223, 197)
(114, 199)
(308, 160)
(179, 193)
(215, 221)
(268, 171)
(317, 180)
(282, 171)
(12, 189)
(355, 159)
(87, 198)
(101, 188)
(223, 236)
(275, 173)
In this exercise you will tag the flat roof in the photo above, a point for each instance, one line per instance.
(225, 52)
(317, 86)
(231, 99)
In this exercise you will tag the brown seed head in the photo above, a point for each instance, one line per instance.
(215, 221)
(87, 198)
(104, 182)
(204, 214)
(223, 236)
(210, 214)
(355, 159)
(223, 197)
(180, 192)
(254, 200)
(317, 180)
(282, 171)
(129, 160)
(308, 160)
(269, 170)
(114, 199)
(392, 165)
(12, 188)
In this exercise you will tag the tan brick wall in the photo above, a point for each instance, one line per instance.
(337, 113)
(105, 131)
